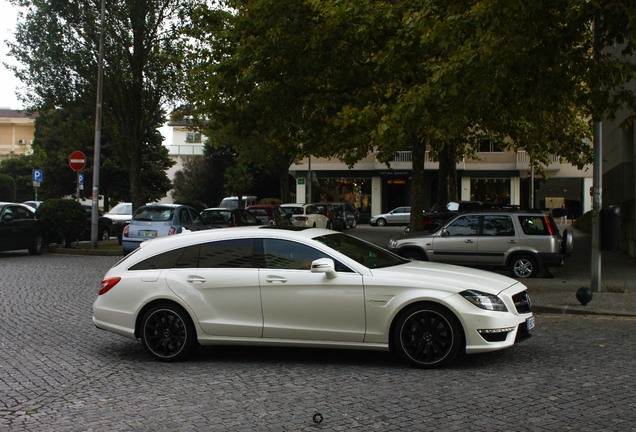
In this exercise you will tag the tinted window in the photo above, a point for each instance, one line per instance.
(222, 254)
(498, 226)
(283, 254)
(464, 226)
(236, 253)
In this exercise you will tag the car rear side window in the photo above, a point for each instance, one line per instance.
(533, 225)
(237, 253)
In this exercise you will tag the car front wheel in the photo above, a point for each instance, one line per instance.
(167, 333)
(523, 266)
(428, 336)
(381, 222)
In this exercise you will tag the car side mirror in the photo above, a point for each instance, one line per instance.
(7, 218)
(326, 266)
(445, 232)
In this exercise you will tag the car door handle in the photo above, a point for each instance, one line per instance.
(196, 279)
(468, 241)
(512, 241)
(276, 279)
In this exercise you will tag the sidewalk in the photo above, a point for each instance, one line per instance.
(558, 293)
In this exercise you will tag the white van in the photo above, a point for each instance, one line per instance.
(232, 202)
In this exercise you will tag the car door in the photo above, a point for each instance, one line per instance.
(299, 304)
(220, 282)
(400, 216)
(457, 242)
(8, 231)
(497, 237)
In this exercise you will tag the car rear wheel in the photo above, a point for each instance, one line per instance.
(381, 222)
(105, 234)
(523, 266)
(428, 336)
(37, 246)
(167, 333)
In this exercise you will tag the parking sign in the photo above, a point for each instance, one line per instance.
(37, 175)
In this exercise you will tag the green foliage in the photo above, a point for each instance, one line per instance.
(20, 168)
(239, 181)
(56, 46)
(62, 220)
(7, 188)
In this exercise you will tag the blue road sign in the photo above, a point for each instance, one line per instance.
(37, 175)
(81, 179)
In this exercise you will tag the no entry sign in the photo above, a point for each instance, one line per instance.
(77, 161)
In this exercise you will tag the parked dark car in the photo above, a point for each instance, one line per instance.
(334, 214)
(351, 214)
(269, 214)
(104, 225)
(228, 217)
(19, 229)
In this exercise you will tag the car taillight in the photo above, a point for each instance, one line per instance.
(126, 230)
(548, 224)
(172, 231)
(107, 284)
(302, 218)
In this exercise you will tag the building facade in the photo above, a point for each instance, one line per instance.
(501, 177)
(17, 129)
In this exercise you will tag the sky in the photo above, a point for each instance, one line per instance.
(8, 83)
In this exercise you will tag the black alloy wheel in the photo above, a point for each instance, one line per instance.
(37, 247)
(167, 333)
(428, 336)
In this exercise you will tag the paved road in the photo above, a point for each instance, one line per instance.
(59, 373)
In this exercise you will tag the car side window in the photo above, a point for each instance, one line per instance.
(235, 253)
(496, 225)
(288, 255)
(464, 226)
(184, 216)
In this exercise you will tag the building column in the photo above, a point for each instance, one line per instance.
(301, 190)
(376, 195)
(515, 191)
(464, 189)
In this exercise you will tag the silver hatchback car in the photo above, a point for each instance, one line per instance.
(523, 242)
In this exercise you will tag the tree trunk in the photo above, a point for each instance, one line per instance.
(417, 183)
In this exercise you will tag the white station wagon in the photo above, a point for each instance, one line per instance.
(311, 288)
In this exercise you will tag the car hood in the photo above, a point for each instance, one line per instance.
(452, 278)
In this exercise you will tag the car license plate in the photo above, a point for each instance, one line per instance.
(530, 323)
(148, 234)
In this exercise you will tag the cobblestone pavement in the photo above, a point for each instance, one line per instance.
(59, 373)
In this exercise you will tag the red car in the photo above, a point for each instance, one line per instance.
(269, 214)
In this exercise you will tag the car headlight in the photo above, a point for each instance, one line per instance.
(484, 301)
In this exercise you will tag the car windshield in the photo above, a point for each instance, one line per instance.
(155, 214)
(365, 253)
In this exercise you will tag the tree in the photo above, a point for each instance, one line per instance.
(20, 169)
(7, 188)
(56, 46)
(238, 180)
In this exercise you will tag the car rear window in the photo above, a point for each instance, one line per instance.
(154, 214)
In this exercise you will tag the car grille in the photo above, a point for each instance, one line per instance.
(522, 302)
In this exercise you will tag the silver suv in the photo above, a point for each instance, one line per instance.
(523, 242)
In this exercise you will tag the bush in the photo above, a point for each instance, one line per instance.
(62, 220)
(7, 188)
